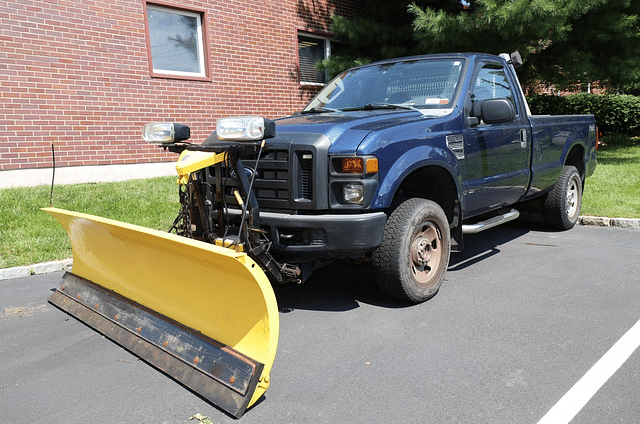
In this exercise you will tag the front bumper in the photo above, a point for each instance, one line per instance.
(341, 235)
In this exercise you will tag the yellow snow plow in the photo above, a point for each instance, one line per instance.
(197, 304)
(205, 315)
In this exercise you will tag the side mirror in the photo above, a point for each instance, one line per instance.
(496, 111)
(516, 59)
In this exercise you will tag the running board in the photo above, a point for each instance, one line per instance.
(491, 222)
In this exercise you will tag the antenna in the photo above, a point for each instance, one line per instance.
(53, 176)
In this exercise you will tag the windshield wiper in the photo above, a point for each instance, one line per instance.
(371, 106)
(320, 110)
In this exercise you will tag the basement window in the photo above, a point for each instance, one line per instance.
(175, 42)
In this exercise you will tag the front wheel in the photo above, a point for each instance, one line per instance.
(562, 205)
(414, 255)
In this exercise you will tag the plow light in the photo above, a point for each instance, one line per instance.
(245, 128)
(165, 132)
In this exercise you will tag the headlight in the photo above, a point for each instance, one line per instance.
(165, 132)
(353, 193)
(245, 128)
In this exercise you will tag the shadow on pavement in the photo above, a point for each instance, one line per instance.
(338, 287)
(344, 286)
(478, 247)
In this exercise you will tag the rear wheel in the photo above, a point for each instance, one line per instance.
(562, 204)
(414, 255)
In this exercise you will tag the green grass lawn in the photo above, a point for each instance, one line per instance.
(28, 235)
(614, 188)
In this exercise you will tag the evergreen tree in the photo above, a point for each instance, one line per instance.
(562, 41)
(384, 31)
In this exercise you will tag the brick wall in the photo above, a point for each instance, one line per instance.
(75, 73)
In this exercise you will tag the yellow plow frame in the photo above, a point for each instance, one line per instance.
(205, 315)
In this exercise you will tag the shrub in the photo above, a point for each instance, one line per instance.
(613, 113)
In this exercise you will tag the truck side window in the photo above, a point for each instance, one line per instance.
(492, 83)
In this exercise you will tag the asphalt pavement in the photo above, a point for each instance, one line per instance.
(524, 314)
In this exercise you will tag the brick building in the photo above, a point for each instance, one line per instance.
(86, 75)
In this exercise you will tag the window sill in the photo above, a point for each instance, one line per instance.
(312, 84)
(180, 77)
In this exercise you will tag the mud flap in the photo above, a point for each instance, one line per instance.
(205, 315)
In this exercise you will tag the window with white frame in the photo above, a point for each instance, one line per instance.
(176, 42)
(312, 50)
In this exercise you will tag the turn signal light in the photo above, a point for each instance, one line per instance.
(356, 165)
(352, 166)
(372, 165)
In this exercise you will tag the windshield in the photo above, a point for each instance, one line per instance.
(425, 83)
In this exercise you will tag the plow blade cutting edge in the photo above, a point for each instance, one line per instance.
(205, 315)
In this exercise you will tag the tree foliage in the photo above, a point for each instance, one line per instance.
(384, 31)
(561, 41)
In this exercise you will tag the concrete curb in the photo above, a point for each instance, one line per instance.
(65, 265)
(85, 174)
(599, 221)
(41, 268)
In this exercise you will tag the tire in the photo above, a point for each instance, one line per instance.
(414, 255)
(562, 205)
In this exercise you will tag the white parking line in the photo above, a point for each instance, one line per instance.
(576, 398)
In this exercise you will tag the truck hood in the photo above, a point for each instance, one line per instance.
(346, 130)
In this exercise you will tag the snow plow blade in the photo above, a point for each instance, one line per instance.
(203, 314)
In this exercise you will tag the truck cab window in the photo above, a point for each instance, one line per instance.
(492, 83)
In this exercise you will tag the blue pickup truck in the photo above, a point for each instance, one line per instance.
(392, 162)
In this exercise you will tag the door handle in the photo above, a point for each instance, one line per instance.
(523, 138)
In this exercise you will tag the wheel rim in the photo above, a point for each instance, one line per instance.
(426, 253)
(572, 200)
